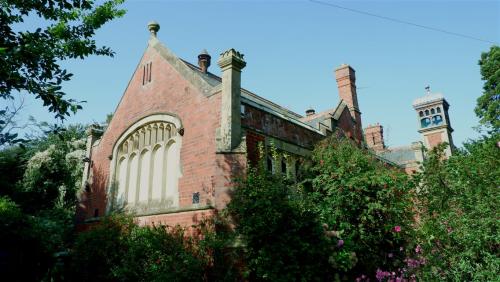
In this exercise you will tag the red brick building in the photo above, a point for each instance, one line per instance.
(180, 135)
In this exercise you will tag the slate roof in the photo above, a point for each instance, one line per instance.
(399, 155)
(254, 99)
(210, 83)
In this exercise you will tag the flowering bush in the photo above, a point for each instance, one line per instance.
(40, 178)
(54, 171)
(367, 203)
(458, 212)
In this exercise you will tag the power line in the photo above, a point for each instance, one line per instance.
(401, 21)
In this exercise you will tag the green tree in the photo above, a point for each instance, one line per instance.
(488, 104)
(30, 59)
(281, 236)
(117, 249)
(53, 172)
(28, 243)
(366, 205)
(458, 198)
(42, 178)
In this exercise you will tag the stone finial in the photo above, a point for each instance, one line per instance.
(231, 59)
(153, 27)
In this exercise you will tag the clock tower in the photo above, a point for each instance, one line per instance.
(433, 120)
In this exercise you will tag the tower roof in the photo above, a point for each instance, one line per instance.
(427, 99)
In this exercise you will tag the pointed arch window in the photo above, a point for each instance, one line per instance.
(146, 165)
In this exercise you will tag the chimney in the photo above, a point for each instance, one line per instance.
(204, 61)
(310, 112)
(346, 83)
(374, 137)
(231, 63)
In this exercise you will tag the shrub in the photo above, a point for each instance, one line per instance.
(117, 249)
(366, 205)
(282, 237)
(458, 210)
(26, 247)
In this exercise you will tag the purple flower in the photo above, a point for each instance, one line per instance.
(380, 275)
(340, 243)
(397, 228)
(418, 249)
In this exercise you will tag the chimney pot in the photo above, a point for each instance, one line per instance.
(310, 112)
(204, 60)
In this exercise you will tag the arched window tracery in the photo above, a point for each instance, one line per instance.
(147, 166)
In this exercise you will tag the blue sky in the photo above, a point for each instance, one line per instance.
(292, 48)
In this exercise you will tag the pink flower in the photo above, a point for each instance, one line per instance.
(418, 249)
(397, 228)
(340, 243)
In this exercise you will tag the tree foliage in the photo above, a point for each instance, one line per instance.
(30, 59)
(282, 237)
(488, 104)
(39, 181)
(365, 203)
(119, 250)
(458, 230)
(53, 170)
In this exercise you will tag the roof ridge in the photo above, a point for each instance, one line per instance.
(182, 68)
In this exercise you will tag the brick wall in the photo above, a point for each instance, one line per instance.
(253, 139)
(347, 125)
(434, 139)
(167, 92)
(271, 125)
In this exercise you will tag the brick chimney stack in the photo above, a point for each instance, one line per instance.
(204, 60)
(346, 83)
(374, 137)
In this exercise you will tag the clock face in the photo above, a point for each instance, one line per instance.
(437, 120)
(425, 122)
